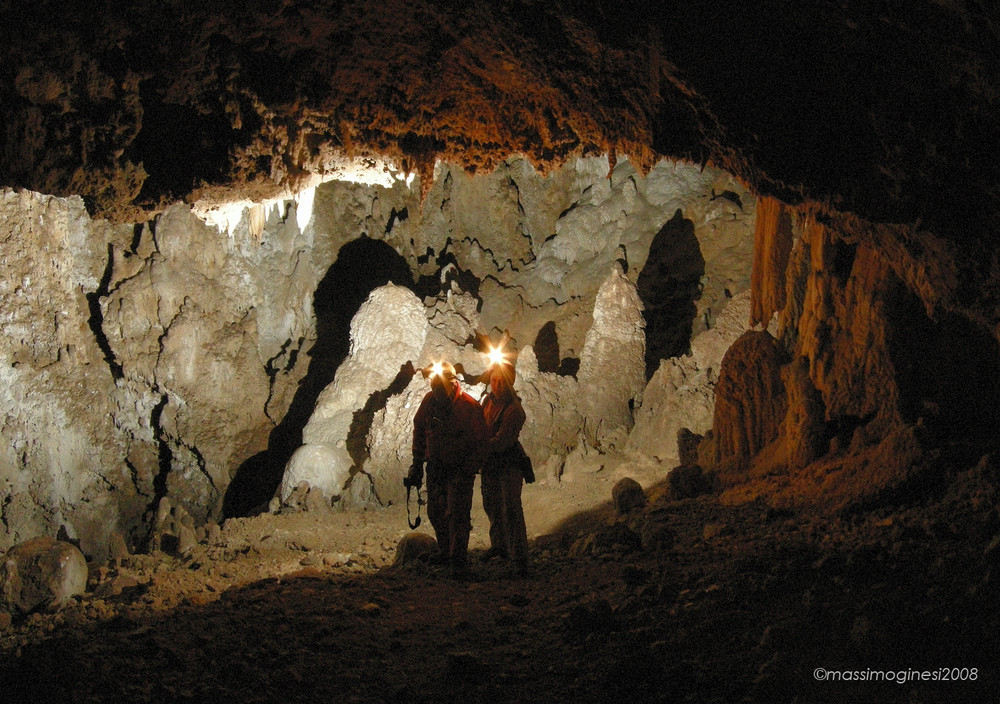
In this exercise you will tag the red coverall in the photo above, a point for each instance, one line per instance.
(502, 479)
(450, 435)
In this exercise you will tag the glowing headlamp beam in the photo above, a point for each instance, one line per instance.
(496, 356)
(436, 369)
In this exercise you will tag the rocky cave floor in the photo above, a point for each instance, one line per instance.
(685, 600)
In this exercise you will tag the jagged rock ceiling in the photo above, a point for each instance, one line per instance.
(888, 111)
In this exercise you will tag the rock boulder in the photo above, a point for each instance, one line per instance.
(41, 573)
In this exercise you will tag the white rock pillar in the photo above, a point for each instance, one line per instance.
(612, 371)
(388, 330)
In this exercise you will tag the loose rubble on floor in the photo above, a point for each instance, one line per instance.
(679, 599)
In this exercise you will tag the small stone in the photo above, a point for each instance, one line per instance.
(656, 536)
(711, 530)
(316, 502)
(414, 546)
(688, 481)
(336, 559)
(627, 495)
(305, 543)
(186, 539)
(687, 446)
(162, 512)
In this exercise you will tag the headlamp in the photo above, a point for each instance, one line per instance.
(496, 356)
(436, 369)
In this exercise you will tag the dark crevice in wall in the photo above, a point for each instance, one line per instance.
(133, 473)
(165, 457)
(5, 510)
(96, 319)
(946, 369)
(396, 217)
(272, 368)
(362, 265)
(136, 238)
(546, 346)
(202, 464)
(669, 285)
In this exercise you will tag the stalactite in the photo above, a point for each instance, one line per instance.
(772, 246)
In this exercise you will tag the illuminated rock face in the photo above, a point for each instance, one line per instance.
(749, 399)
(611, 375)
(139, 362)
(162, 359)
(681, 394)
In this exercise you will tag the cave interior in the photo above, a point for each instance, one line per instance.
(745, 256)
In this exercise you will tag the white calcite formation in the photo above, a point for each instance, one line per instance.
(611, 366)
(681, 394)
(154, 360)
(389, 330)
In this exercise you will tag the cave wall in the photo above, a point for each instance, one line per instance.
(153, 360)
(579, 242)
(61, 456)
(871, 385)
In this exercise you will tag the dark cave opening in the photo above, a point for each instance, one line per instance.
(947, 370)
(668, 285)
(447, 276)
(546, 346)
(178, 146)
(362, 265)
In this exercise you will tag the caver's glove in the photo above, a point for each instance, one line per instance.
(415, 477)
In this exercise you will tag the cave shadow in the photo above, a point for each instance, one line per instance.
(361, 423)
(362, 265)
(711, 605)
(546, 348)
(949, 381)
(668, 285)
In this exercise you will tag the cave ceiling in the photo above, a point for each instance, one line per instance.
(886, 110)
